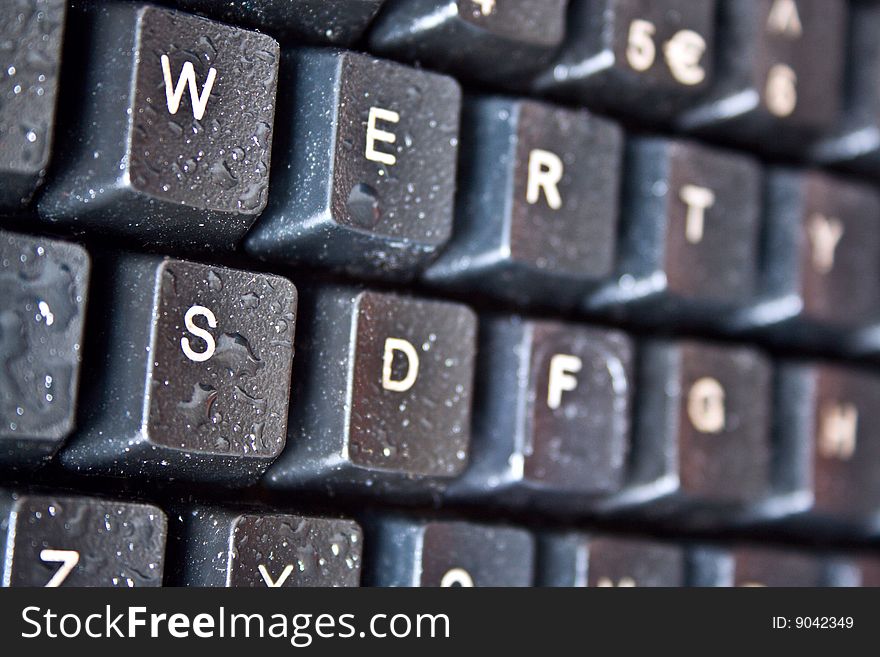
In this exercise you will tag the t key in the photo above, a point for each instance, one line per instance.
(450, 554)
(385, 397)
(79, 541)
(575, 559)
(371, 179)
(689, 246)
(536, 220)
(495, 41)
(702, 431)
(340, 22)
(832, 415)
(780, 68)
(30, 51)
(552, 417)
(43, 287)
(645, 59)
(173, 142)
(820, 278)
(225, 548)
(196, 373)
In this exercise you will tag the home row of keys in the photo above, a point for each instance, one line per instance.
(52, 541)
(195, 376)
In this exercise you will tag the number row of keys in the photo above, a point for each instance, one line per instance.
(51, 541)
(195, 374)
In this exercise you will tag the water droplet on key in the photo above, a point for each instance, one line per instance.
(363, 206)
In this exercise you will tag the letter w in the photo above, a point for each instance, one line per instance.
(187, 78)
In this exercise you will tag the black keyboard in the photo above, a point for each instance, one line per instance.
(439, 293)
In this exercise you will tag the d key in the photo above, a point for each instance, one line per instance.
(384, 401)
(370, 184)
(79, 541)
(174, 140)
(196, 373)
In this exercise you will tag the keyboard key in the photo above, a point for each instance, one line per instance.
(821, 259)
(644, 59)
(48, 541)
(196, 373)
(485, 40)
(831, 415)
(450, 554)
(690, 233)
(702, 443)
(552, 417)
(225, 548)
(537, 212)
(855, 141)
(383, 402)
(574, 559)
(189, 166)
(760, 566)
(43, 285)
(779, 74)
(370, 185)
(338, 22)
(31, 32)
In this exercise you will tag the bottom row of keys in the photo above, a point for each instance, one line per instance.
(53, 541)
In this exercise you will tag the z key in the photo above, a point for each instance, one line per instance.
(172, 142)
(50, 541)
(226, 548)
(195, 377)
(779, 80)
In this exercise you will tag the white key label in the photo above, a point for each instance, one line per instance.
(705, 405)
(68, 560)
(210, 344)
(457, 577)
(412, 365)
(374, 135)
(275, 583)
(174, 94)
(682, 52)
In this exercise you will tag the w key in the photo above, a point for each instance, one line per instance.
(172, 142)
(195, 376)
(52, 541)
(370, 182)
(384, 402)
(225, 548)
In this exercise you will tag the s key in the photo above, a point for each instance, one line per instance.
(779, 77)
(43, 291)
(51, 541)
(384, 400)
(449, 554)
(195, 377)
(226, 548)
(371, 179)
(171, 144)
(644, 59)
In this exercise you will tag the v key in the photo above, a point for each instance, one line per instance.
(268, 578)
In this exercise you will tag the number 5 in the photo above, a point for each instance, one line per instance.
(640, 48)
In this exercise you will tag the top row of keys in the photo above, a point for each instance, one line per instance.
(179, 126)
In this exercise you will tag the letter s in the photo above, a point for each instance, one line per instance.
(199, 356)
(24, 617)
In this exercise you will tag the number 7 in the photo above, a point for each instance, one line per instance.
(68, 560)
